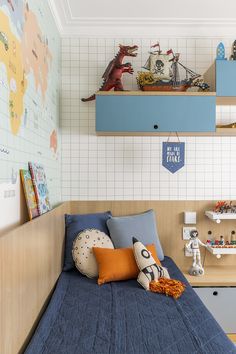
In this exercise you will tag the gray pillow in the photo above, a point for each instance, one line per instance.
(141, 226)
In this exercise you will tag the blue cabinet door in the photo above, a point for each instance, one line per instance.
(226, 78)
(143, 113)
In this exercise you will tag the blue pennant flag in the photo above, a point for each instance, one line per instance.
(173, 155)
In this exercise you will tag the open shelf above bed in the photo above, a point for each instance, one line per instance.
(218, 251)
(217, 217)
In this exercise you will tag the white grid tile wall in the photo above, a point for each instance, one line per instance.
(127, 168)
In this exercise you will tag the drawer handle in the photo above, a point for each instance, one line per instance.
(155, 126)
(215, 293)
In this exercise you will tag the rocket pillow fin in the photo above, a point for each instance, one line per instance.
(149, 270)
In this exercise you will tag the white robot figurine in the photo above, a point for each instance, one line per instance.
(193, 247)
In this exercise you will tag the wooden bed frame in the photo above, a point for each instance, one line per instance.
(31, 257)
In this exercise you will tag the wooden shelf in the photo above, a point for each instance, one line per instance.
(214, 276)
(225, 131)
(217, 217)
(225, 101)
(221, 250)
(218, 132)
(154, 93)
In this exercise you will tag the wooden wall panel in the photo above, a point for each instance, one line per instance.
(170, 223)
(30, 263)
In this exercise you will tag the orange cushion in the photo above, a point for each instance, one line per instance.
(118, 264)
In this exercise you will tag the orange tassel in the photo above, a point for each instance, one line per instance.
(169, 287)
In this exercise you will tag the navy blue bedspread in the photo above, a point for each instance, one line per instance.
(122, 318)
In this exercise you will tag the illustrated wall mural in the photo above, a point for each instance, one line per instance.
(29, 95)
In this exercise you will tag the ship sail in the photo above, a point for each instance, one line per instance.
(147, 64)
(159, 65)
(189, 72)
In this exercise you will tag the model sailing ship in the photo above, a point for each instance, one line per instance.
(164, 73)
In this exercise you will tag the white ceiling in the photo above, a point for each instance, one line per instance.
(150, 8)
(94, 17)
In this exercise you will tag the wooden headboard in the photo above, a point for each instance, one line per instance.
(170, 222)
(31, 257)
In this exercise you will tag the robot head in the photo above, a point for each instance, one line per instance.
(194, 234)
(143, 257)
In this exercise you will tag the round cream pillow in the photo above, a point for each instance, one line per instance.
(82, 252)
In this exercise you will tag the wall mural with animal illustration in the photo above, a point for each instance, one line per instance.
(29, 98)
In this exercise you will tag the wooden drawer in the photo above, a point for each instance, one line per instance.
(155, 113)
(226, 78)
(221, 303)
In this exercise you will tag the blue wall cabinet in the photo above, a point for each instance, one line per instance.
(226, 78)
(136, 111)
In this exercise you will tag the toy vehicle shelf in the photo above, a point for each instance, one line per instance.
(151, 113)
(217, 217)
(221, 250)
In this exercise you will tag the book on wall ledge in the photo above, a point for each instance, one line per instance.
(29, 194)
(40, 187)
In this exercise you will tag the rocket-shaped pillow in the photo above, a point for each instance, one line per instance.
(149, 270)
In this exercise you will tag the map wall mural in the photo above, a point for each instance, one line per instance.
(29, 92)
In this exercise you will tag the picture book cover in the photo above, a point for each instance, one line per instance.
(29, 193)
(40, 187)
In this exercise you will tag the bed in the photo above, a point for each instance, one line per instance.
(122, 318)
(31, 261)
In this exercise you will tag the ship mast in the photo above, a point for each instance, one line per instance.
(175, 69)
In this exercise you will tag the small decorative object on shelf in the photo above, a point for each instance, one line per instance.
(231, 125)
(218, 245)
(115, 69)
(232, 238)
(220, 52)
(194, 247)
(203, 86)
(164, 73)
(233, 55)
(222, 241)
(224, 207)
